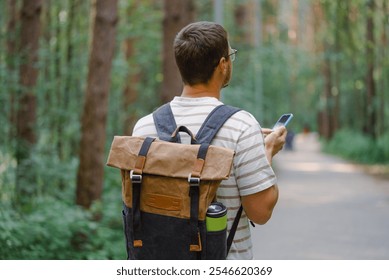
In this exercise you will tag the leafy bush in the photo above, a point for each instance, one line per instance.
(57, 230)
(383, 146)
(359, 147)
(51, 226)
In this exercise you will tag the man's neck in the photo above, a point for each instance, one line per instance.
(200, 90)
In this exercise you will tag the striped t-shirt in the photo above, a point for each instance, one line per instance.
(251, 172)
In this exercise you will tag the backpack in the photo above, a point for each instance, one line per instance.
(167, 188)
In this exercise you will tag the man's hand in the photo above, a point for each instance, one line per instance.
(274, 140)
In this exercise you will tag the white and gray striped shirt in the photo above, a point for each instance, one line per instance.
(251, 172)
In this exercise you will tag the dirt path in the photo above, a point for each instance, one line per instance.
(328, 209)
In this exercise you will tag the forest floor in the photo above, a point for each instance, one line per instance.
(328, 208)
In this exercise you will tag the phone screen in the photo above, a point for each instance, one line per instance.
(283, 120)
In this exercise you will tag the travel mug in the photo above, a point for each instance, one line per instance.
(216, 219)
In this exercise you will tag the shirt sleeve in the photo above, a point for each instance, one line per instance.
(253, 173)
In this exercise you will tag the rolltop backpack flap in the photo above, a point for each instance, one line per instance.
(170, 159)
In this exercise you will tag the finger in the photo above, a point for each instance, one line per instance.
(280, 130)
(266, 131)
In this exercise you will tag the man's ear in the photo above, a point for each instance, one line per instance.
(223, 65)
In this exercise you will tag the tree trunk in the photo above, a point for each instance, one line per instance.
(327, 118)
(177, 14)
(29, 37)
(130, 92)
(383, 61)
(73, 7)
(11, 53)
(90, 171)
(336, 88)
(370, 124)
(323, 116)
(26, 113)
(58, 88)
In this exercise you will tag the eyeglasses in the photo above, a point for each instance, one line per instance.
(234, 51)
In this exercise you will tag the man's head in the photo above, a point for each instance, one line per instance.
(198, 49)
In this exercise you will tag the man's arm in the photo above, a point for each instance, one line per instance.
(259, 206)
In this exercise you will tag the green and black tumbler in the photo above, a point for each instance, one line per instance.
(216, 217)
(216, 224)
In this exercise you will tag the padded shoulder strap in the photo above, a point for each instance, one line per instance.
(214, 122)
(165, 123)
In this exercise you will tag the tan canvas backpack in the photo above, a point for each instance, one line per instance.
(167, 188)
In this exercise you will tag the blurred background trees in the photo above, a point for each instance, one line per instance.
(73, 76)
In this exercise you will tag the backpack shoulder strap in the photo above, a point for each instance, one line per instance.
(214, 122)
(165, 123)
(207, 132)
(234, 227)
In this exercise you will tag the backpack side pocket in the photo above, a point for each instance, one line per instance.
(216, 245)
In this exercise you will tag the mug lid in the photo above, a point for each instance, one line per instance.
(216, 209)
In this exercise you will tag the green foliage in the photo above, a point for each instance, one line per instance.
(383, 147)
(52, 227)
(343, 39)
(46, 233)
(275, 80)
(141, 23)
(58, 230)
(359, 147)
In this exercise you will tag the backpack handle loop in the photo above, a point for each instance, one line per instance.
(182, 128)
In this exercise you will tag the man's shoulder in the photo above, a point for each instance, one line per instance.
(244, 117)
(145, 120)
(144, 126)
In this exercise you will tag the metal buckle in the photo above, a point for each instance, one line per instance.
(135, 178)
(193, 182)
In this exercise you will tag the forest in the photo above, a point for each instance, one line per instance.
(75, 73)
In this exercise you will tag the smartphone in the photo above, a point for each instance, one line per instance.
(283, 120)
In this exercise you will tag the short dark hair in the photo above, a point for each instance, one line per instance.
(198, 48)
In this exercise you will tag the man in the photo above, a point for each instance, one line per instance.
(204, 58)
